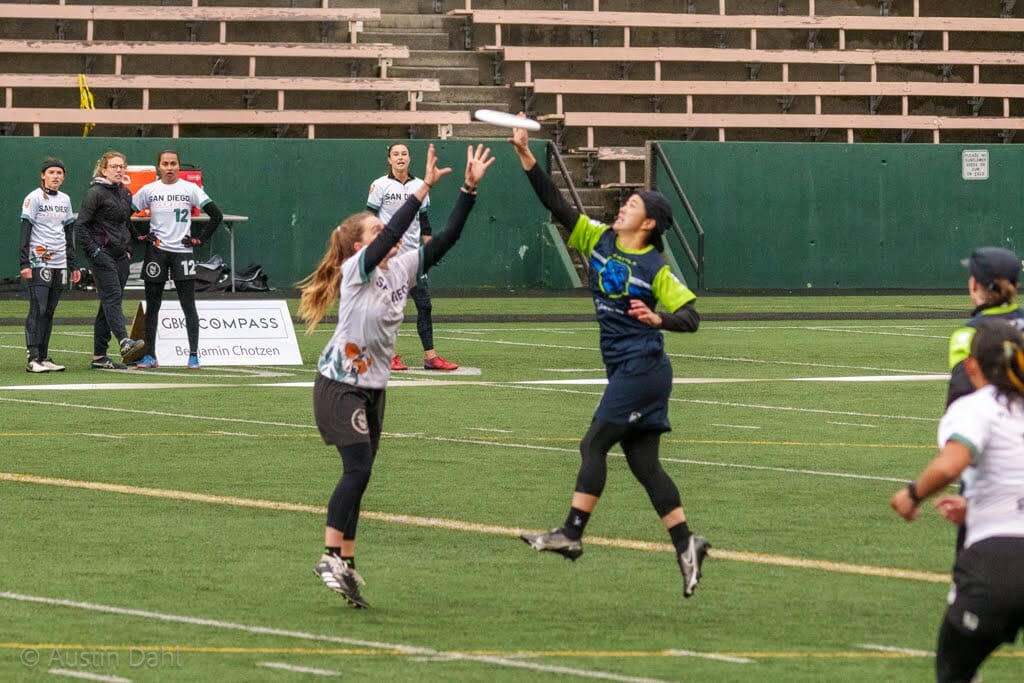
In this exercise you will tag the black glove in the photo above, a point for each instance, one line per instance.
(190, 241)
(150, 237)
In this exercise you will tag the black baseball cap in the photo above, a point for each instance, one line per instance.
(658, 208)
(989, 264)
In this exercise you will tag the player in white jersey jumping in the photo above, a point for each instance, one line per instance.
(981, 433)
(46, 249)
(365, 270)
(387, 194)
(169, 249)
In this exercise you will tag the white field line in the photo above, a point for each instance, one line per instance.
(457, 525)
(100, 436)
(399, 648)
(299, 669)
(716, 424)
(72, 673)
(851, 424)
(899, 650)
(472, 442)
(711, 655)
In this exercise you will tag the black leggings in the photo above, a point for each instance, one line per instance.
(420, 294)
(343, 508)
(42, 303)
(641, 449)
(959, 656)
(187, 297)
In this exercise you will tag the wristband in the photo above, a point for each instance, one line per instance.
(468, 189)
(912, 492)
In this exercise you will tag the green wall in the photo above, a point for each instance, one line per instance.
(296, 191)
(836, 216)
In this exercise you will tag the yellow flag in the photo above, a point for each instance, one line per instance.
(85, 102)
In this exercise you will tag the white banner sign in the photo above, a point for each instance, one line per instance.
(251, 332)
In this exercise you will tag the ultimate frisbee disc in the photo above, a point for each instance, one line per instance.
(500, 118)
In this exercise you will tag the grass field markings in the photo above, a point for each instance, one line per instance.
(204, 649)
(489, 429)
(876, 378)
(851, 424)
(72, 673)
(567, 370)
(99, 436)
(476, 527)
(109, 386)
(303, 635)
(711, 655)
(717, 424)
(902, 650)
(298, 669)
(242, 434)
(794, 409)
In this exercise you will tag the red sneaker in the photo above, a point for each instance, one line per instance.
(397, 364)
(438, 363)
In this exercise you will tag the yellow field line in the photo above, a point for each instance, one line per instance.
(604, 654)
(457, 525)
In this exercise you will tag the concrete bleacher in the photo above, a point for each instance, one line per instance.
(739, 72)
(151, 71)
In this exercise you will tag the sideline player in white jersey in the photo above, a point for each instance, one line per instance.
(387, 194)
(45, 250)
(169, 254)
(981, 433)
(365, 271)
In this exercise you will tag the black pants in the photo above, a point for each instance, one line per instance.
(110, 275)
(44, 291)
(420, 295)
(187, 297)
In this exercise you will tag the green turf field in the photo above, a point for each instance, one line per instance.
(169, 533)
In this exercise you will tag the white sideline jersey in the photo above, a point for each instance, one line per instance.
(48, 214)
(387, 194)
(369, 315)
(170, 209)
(994, 432)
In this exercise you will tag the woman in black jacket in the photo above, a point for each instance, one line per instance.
(104, 231)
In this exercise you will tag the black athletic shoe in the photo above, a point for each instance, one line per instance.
(132, 349)
(690, 561)
(342, 579)
(104, 363)
(555, 541)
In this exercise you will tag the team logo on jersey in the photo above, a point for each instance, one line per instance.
(153, 269)
(614, 278)
(372, 185)
(45, 275)
(357, 362)
(359, 421)
(27, 202)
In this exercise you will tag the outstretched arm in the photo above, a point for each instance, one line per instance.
(477, 162)
(548, 194)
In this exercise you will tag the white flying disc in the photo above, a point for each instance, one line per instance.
(500, 118)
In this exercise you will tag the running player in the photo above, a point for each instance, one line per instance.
(980, 434)
(169, 249)
(387, 194)
(364, 269)
(628, 278)
(46, 249)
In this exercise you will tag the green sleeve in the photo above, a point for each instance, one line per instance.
(585, 235)
(960, 345)
(669, 291)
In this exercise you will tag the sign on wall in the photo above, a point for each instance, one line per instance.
(254, 332)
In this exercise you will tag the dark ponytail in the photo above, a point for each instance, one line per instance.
(998, 348)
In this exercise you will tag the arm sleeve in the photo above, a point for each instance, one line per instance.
(425, 227)
(69, 245)
(959, 384)
(216, 216)
(85, 215)
(551, 198)
(391, 233)
(439, 246)
(26, 234)
(683, 319)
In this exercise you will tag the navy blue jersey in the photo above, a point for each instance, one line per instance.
(960, 345)
(618, 275)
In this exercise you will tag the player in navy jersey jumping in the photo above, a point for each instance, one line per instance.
(169, 249)
(366, 271)
(628, 278)
(386, 195)
(44, 252)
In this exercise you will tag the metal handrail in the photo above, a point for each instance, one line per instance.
(696, 260)
(556, 156)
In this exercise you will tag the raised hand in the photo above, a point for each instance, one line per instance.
(477, 162)
(432, 173)
(520, 137)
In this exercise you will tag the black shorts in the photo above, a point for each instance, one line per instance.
(346, 414)
(637, 393)
(988, 602)
(159, 265)
(51, 278)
